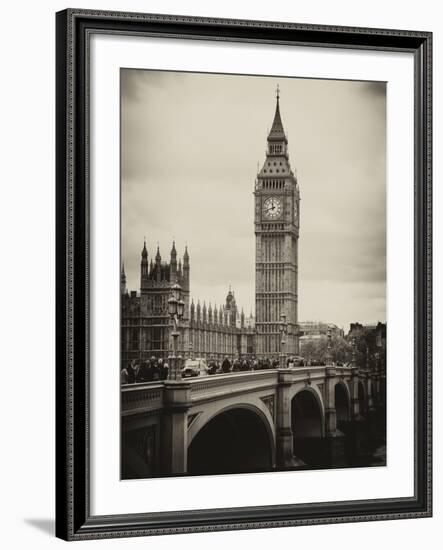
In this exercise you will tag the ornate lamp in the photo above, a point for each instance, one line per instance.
(176, 309)
(283, 330)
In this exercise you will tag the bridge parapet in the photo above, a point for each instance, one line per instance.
(223, 384)
(148, 397)
(141, 398)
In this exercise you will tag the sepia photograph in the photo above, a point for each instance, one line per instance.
(253, 321)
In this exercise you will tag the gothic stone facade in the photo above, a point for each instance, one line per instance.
(277, 217)
(145, 322)
(204, 332)
(219, 332)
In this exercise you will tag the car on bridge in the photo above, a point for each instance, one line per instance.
(195, 367)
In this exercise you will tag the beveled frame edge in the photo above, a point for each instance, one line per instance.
(73, 519)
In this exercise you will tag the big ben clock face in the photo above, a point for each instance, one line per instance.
(272, 208)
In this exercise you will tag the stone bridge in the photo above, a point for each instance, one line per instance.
(246, 421)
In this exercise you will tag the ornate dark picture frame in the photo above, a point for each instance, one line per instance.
(73, 517)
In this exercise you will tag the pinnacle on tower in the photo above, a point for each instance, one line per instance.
(123, 288)
(144, 261)
(144, 251)
(173, 272)
(277, 132)
(158, 258)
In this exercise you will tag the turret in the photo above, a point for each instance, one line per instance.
(192, 311)
(144, 262)
(204, 313)
(158, 264)
(231, 308)
(198, 312)
(186, 269)
(215, 315)
(242, 319)
(210, 314)
(173, 263)
(123, 288)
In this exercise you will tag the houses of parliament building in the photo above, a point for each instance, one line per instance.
(207, 331)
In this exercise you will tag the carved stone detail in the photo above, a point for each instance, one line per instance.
(269, 401)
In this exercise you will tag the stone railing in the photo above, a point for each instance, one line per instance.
(140, 398)
(304, 372)
(213, 386)
(148, 397)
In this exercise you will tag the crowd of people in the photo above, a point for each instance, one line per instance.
(240, 364)
(150, 370)
(153, 369)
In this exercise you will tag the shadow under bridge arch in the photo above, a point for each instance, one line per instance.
(237, 439)
(308, 425)
(342, 403)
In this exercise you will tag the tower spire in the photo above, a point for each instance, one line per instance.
(123, 289)
(144, 251)
(277, 132)
(173, 262)
(144, 261)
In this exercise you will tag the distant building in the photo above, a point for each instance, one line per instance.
(314, 330)
(217, 332)
(378, 330)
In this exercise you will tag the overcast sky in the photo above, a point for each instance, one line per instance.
(190, 148)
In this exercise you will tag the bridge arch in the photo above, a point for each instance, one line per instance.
(307, 412)
(237, 437)
(342, 402)
(307, 424)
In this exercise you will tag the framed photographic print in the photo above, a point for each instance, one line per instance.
(243, 274)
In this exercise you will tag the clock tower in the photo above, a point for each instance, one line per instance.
(276, 218)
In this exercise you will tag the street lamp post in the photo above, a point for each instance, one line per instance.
(176, 308)
(284, 331)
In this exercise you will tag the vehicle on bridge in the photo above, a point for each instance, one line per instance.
(195, 367)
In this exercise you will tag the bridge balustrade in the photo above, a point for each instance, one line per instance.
(176, 404)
